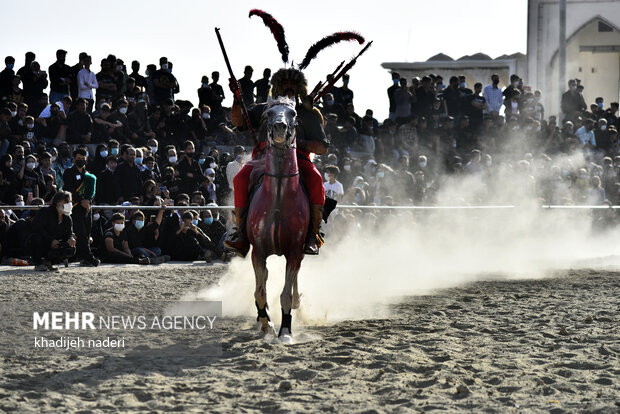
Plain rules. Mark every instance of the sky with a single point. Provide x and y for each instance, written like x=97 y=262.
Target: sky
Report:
x=183 y=31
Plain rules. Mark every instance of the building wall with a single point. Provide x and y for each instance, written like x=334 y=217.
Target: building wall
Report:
x=543 y=42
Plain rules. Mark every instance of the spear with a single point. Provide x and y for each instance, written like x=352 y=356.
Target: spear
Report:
x=244 y=110
x=340 y=74
x=319 y=85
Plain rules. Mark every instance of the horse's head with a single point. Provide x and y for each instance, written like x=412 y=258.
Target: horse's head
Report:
x=280 y=120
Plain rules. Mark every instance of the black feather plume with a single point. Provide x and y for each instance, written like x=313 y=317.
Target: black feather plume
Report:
x=276 y=29
x=326 y=42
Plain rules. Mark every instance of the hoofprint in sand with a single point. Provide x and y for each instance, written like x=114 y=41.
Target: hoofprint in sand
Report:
x=491 y=346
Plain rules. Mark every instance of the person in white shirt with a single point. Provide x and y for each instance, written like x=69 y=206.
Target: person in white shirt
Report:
x=493 y=96
x=333 y=188
x=86 y=82
x=234 y=167
x=64 y=104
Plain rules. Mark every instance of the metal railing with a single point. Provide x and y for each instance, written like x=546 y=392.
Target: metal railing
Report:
x=345 y=207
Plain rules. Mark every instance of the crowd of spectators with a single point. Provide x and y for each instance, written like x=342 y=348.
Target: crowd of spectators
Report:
x=146 y=148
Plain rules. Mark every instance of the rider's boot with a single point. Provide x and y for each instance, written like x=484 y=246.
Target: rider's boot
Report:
x=237 y=241
x=316 y=215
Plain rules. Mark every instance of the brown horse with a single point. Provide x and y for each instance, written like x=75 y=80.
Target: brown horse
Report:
x=279 y=213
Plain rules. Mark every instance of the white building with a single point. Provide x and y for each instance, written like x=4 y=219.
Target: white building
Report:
x=476 y=68
x=592 y=49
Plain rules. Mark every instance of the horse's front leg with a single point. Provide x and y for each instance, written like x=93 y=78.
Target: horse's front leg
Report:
x=260 y=293
x=293 y=263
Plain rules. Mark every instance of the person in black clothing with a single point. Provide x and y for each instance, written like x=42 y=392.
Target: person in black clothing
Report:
x=107 y=185
x=128 y=176
x=390 y=92
x=473 y=106
x=29 y=58
x=164 y=82
x=214 y=230
x=60 y=77
x=218 y=92
x=140 y=80
x=6 y=78
x=75 y=182
x=190 y=241
x=116 y=246
x=206 y=96
x=152 y=170
x=262 y=86
x=97 y=163
x=451 y=98
x=107 y=82
x=73 y=87
x=247 y=86
x=18 y=237
x=52 y=238
x=79 y=124
x=346 y=95
x=190 y=172
x=140 y=236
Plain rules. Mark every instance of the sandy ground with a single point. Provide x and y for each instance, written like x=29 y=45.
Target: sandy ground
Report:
x=548 y=345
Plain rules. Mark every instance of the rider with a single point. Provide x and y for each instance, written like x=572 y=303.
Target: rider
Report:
x=311 y=138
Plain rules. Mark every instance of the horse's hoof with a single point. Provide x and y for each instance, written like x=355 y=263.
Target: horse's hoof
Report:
x=285 y=339
x=268 y=328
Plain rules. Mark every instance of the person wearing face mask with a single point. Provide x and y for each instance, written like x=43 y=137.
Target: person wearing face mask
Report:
x=138 y=232
x=214 y=229
x=97 y=162
x=164 y=82
x=119 y=117
x=52 y=239
x=116 y=246
x=208 y=187
x=82 y=186
x=6 y=77
x=602 y=137
x=31 y=181
x=492 y=94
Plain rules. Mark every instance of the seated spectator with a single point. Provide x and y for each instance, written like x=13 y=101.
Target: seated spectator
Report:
x=190 y=242
x=108 y=190
x=79 y=124
x=116 y=244
x=208 y=187
x=17 y=243
x=138 y=236
x=333 y=188
x=104 y=126
x=52 y=239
